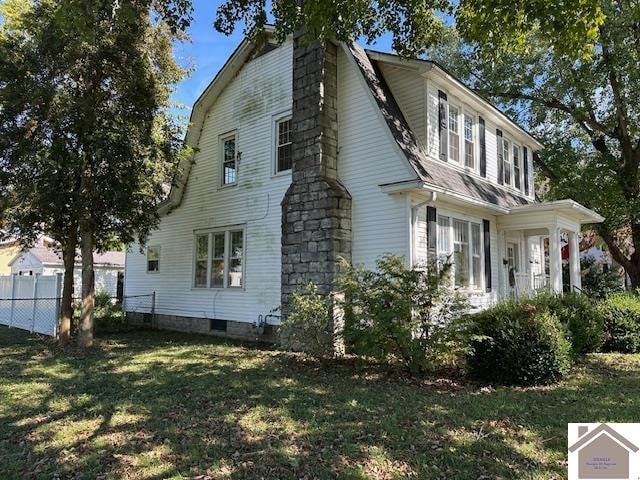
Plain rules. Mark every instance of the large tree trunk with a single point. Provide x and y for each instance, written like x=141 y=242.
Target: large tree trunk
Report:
x=85 y=330
x=66 y=307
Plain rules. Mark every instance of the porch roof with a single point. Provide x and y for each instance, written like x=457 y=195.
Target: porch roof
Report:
x=567 y=207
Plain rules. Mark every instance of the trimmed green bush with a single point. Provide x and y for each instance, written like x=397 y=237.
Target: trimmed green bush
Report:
x=621 y=314
x=579 y=314
x=517 y=343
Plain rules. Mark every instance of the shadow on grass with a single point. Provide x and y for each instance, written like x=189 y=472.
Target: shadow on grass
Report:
x=163 y=405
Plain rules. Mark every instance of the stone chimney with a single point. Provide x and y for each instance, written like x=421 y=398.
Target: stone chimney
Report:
x=316 y=210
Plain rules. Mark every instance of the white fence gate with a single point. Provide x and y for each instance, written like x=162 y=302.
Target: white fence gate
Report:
x=30 y=302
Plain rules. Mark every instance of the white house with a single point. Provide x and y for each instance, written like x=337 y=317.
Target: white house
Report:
x=45 y=259
x=304 y=154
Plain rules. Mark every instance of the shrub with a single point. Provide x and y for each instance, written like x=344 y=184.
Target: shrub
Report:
x=600 y=283
x=108 y=316
x=621 y=314
x=578 y=313
x=516 y=342
x=308 y=326
x=402 y=314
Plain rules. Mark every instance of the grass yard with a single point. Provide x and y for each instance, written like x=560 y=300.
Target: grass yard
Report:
x=161 y=405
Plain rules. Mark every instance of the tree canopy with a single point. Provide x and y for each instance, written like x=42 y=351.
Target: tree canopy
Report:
x=586 y=111
x=501 y=25
x=87 y=139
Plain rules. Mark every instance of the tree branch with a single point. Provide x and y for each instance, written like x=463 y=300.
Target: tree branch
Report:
x=615 y=251
x=589 y=124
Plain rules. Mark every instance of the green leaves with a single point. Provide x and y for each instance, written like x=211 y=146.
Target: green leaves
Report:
x=85 y=122
x=501 y=26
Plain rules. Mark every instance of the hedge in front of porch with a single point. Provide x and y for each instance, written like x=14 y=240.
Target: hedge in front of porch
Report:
x=517 y=342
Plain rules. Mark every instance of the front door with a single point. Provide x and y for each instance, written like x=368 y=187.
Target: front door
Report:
x=512 y=263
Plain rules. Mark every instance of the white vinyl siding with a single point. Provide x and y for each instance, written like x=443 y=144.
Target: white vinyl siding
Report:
x=248 y=105
x=369 y=157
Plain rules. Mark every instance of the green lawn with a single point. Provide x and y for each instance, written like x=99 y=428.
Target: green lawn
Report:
x=162 y=405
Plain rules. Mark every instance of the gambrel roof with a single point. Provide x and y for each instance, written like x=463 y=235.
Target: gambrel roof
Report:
x=431 y=172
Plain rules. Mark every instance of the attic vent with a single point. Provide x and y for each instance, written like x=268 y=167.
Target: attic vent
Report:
x=216 y=325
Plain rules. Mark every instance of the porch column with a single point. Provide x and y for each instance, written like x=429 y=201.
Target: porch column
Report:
x=574 y=260
x=502 y=281
x=555 y=260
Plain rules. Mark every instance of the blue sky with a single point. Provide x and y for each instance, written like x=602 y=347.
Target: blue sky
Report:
x=208 y=50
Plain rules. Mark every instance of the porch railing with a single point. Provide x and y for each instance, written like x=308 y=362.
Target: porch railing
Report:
x=528 y=284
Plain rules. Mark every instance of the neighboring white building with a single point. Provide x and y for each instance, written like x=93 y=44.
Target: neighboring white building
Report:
x=430 y=169
x=44 y=259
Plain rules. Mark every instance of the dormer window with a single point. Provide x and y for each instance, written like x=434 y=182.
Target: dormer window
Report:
x=506 y=161
x=516 y=166
x=468 y=141
x=454 y=134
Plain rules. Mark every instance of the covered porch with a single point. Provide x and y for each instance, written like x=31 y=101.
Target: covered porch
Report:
x=533 y=242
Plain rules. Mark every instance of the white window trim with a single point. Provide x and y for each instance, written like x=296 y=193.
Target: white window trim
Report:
x=451 y=102
x=227 y=256
x=475 y=132
x=275 y=121
x=221 y=139
x=147 y=258
x=463 y=110
x=480 y=287
x=517 y=145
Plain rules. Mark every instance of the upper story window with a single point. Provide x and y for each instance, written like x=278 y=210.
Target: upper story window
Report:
x=454 y=133
x=153 y=259
x=284 y=146
x=229 y=157
x=469 y=140
x=219 y=259
x=506 y=161
x=516 y=166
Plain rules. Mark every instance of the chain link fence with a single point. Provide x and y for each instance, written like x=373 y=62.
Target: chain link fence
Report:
x=33 y=303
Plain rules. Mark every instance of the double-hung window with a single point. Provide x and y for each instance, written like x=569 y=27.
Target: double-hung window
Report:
x=229 y=156
x=153 y=259
x=284 y=150
x=461 y=252
x=506 y=161
x=219 y=259
x=516 y=166
x=454 y=133
x=460 y=242
x=469 y=159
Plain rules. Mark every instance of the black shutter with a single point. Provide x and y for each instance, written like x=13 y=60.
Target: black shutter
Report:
x=431 y=233
x=483 y=148
x=500 y=162
x=442 y=124
x=486 y=237
x=525 y=159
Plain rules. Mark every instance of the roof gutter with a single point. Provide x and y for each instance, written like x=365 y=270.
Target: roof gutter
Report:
x=419 y=185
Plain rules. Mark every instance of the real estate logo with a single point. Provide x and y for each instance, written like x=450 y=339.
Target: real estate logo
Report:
x=604 y=451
